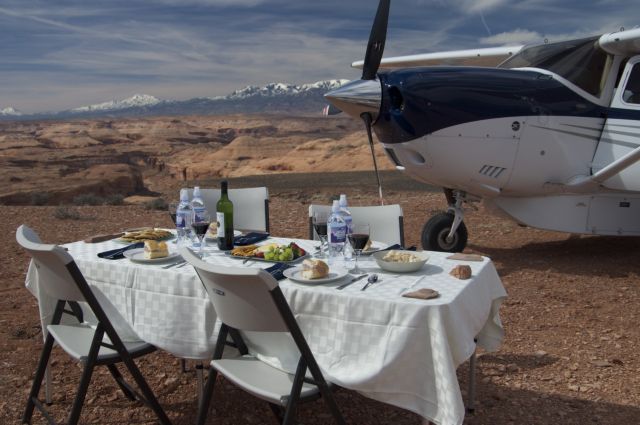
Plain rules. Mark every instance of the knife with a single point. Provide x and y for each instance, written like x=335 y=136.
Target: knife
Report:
x=355 y=279
x=102 y=238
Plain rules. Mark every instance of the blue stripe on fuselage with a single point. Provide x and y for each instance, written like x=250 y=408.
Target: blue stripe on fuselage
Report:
x=420 y=101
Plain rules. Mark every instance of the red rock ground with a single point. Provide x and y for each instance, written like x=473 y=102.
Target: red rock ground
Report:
x=572 y=321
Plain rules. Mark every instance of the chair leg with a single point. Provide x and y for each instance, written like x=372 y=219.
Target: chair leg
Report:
x=205 y=402
x=120 y=381
x=200 y=380
x=294 y=396
x=471 y=396
x=148 y=395
x=74 y=416
x=47 y=385
x=85 y=379
x=277 y=412
x=37 y=380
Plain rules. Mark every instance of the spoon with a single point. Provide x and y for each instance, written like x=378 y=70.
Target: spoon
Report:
x=371 y=279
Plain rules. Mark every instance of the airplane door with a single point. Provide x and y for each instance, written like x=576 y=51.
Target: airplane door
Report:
x=621 y=132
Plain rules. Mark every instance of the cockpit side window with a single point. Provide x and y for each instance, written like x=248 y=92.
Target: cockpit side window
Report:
x=580 y=61
x=631 y=92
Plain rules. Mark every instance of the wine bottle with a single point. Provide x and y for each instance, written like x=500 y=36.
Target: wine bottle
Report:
x=224 y=217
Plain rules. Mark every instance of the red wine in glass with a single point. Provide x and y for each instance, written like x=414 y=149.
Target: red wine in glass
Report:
x=320 y=228
x=201 y=227
x=358 y=240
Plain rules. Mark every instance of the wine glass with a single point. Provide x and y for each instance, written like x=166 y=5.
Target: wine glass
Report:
x=172 y=208
x=358 y=239
x=200 y=226
x=320 y=226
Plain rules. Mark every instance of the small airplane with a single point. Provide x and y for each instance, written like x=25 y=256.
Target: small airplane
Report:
x=550 y=137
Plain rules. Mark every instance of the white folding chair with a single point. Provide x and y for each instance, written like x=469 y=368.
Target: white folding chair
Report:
x=385 y=221
x=250 y=300
x=250 y=206
x=93 y=345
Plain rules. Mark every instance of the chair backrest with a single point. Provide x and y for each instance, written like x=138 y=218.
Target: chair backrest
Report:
x=60 y=278
x=386 y=221
x=250 y=206
x=51 y=262
x=241 y=296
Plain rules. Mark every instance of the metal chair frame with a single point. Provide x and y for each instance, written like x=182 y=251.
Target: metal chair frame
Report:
x=93 y=358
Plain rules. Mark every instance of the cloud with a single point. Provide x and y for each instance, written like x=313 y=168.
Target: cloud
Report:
x=518 y=36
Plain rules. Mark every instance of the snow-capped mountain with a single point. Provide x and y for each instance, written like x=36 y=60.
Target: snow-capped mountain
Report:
x=281 y=89
x=270 y=98
x=137 y=100
x=10 y=112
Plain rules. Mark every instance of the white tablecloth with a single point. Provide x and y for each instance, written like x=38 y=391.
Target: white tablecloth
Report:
x=390 y=348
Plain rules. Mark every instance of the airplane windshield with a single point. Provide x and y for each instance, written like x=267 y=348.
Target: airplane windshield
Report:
x=580 y=61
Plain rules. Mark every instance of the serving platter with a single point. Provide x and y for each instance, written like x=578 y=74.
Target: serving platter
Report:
x=295 y=274
x=241 y=257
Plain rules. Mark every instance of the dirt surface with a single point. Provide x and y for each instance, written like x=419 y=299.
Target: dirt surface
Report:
x=572 y=321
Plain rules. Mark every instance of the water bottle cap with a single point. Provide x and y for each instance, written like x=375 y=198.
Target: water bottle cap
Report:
x=184 y=195
x=343 y=200
x=336 y=206
x=196 y=191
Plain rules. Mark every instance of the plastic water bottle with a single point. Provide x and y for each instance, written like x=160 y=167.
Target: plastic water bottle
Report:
x=337 y=230
x=184 y=217
x=348 y=221
x=197 y=205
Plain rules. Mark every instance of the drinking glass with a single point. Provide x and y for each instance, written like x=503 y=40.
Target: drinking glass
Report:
x=200 y=226
x=172 y=208
x=320 y=226
x=358 y=239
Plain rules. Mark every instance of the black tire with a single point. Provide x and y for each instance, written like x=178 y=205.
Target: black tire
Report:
x=435 y=231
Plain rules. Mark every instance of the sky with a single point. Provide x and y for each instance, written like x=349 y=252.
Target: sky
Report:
x=60 y=54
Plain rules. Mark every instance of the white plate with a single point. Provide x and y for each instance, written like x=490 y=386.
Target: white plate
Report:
x=137 y=256
x=210 y=237
x=375 y=246
x=295 y=274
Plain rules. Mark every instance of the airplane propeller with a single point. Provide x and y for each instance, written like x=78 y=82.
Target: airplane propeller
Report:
x=363 y=98
x=372 y=59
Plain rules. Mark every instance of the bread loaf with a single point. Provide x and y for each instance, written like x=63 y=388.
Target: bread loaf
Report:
x=154 y=249
x=461 y=272
x=314 y=269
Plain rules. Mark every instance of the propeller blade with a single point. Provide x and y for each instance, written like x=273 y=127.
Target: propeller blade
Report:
x=377 y=38
x=329 y=110
x=366 y=117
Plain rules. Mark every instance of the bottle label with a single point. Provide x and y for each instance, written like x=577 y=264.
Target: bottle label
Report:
x=220 y=220
x=180 y=220
x=338 y=234
x=198 y=213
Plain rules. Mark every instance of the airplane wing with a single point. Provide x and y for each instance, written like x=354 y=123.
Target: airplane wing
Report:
x=490 y=56
x=624 y=43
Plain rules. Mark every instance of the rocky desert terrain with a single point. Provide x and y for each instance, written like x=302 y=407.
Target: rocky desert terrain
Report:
x=132 y=156
x=572 y=317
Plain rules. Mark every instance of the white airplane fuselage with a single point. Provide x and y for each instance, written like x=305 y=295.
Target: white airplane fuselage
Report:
x=527 y=165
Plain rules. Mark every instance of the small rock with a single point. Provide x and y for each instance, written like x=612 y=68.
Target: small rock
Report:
x=601 y=363
x=540 y=353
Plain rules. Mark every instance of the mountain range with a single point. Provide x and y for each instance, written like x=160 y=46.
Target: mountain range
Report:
x=271 y=98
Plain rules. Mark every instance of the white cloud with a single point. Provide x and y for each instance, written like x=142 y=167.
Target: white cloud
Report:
x=518 y=36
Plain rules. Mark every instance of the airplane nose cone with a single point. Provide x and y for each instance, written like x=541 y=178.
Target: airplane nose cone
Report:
x=357 y=97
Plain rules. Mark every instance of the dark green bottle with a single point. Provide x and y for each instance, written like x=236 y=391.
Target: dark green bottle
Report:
x=224 y=217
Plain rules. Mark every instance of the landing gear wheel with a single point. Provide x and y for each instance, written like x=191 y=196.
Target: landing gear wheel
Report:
x=435 y=231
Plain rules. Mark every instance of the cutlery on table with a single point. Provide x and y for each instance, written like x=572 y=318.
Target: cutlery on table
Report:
x=103 y=238
x=415 y=282
x=371 y=279
x=168 y=266
x=353 y=280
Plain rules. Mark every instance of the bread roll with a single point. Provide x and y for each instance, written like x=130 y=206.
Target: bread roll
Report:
x=154 y=249
x=314 y=269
